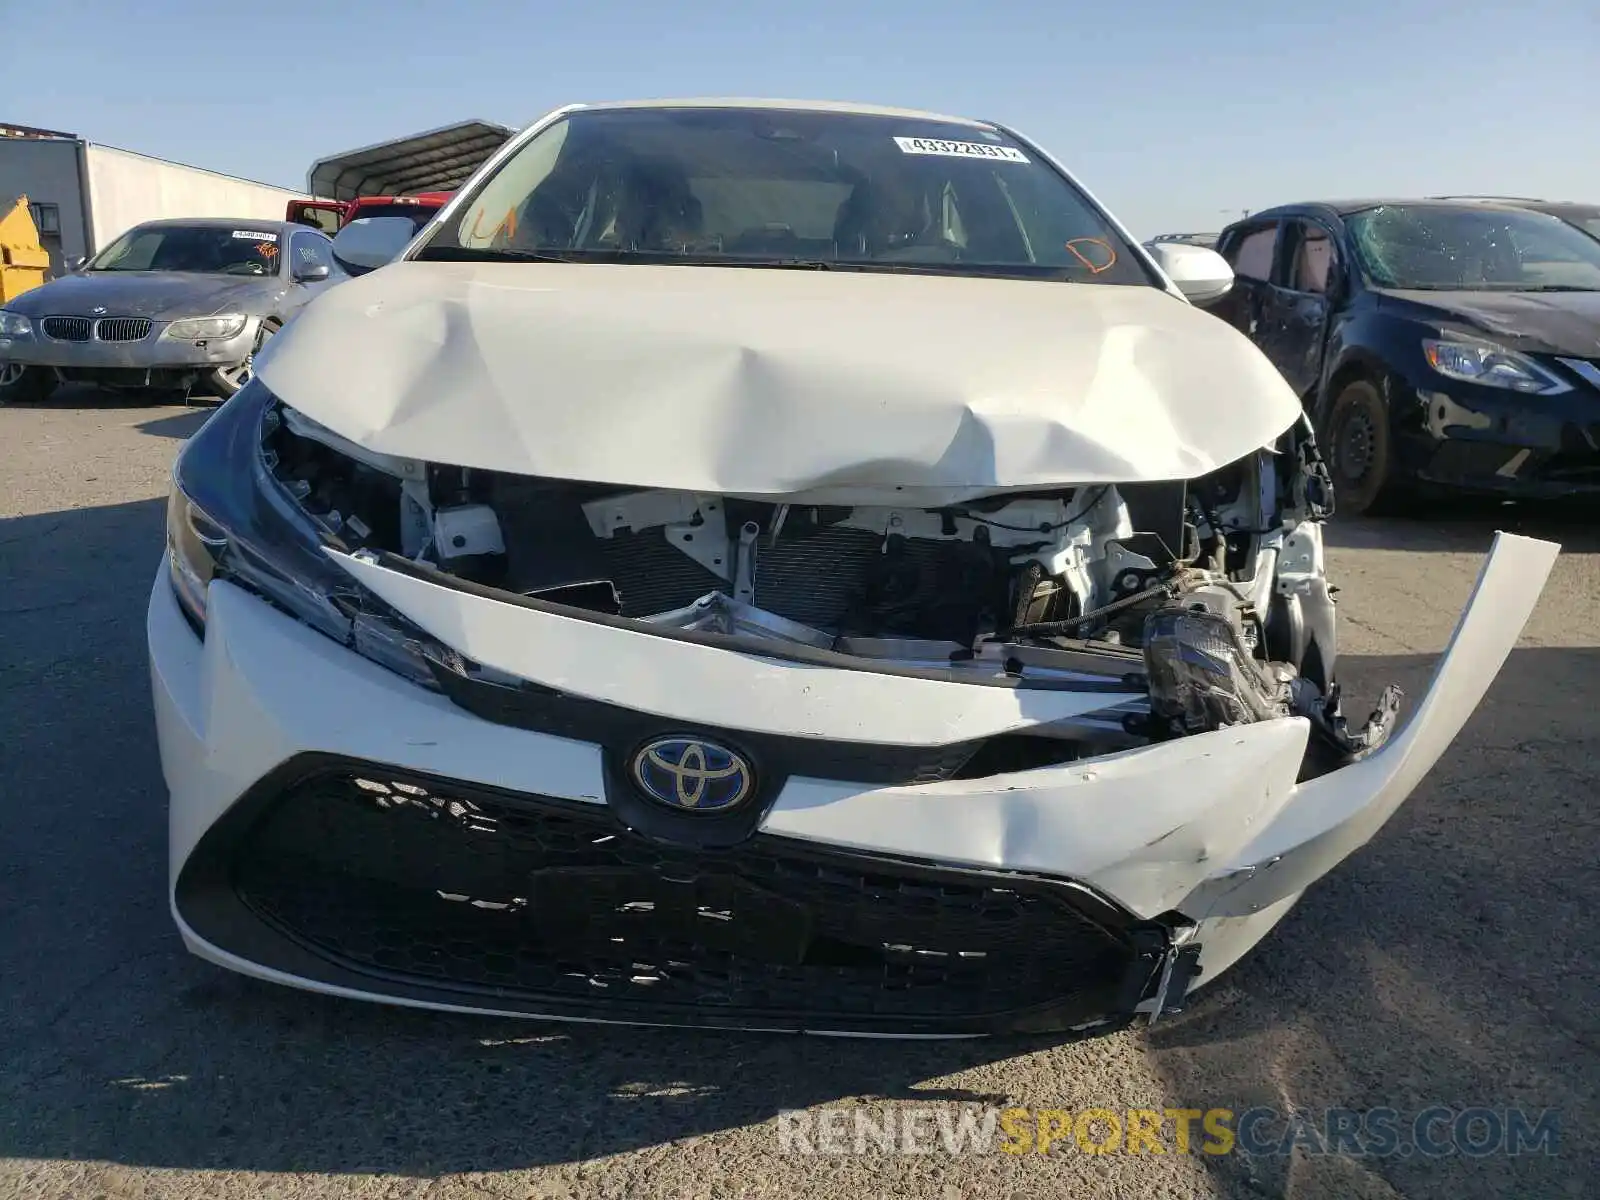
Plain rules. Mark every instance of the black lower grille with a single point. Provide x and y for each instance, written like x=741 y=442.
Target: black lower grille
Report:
x=418 y=880
x=67 y=329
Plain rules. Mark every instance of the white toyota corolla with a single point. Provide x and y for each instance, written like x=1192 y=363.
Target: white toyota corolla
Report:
x=775 y=565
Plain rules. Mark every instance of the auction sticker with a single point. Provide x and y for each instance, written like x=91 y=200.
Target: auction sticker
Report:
x=253 y=236
x=919 y=145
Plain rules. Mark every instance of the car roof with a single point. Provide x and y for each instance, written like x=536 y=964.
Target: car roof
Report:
x=1344 y=208
x=219 y=223
x=1554 y=207
x=833 y=106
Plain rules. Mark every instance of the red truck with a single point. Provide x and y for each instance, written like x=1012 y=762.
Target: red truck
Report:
x=332 y=215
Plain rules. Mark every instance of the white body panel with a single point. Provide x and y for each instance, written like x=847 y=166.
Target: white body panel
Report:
x=831 y=387
x=704 y=685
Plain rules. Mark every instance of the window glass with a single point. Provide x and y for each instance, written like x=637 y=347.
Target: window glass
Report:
x=203 y=249
x=1313 y=259
x=1251 y=255
x=324 y=219
x=1473 y=248
x=755 y=187
x=46 y=219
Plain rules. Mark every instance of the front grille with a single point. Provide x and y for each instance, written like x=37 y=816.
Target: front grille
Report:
x=453 y=886
x=67 y=329
x=123 y=329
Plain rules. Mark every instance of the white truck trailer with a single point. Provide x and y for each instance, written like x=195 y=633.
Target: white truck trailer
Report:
x=83 y=195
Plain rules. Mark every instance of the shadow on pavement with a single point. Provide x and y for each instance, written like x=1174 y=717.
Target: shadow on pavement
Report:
x=181 y=426
x=1468 y=525
x=1450 y=961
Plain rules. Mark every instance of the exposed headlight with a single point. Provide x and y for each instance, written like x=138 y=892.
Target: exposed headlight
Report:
x=208 y=329
x=229 y=518
x=14 y=325
x=1492 y=366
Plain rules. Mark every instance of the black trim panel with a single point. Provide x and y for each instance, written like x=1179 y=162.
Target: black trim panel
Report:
x=776 y=756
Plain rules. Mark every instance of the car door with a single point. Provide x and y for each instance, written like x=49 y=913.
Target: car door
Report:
x=1292 y=322
x=1251 y=249
x=309 y=254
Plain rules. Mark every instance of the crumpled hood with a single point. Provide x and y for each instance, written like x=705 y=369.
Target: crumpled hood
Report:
x=840 y=386
x=160 y=295
x=1551 y=322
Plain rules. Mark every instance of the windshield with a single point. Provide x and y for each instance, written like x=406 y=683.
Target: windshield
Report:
x=750 y=187
x=204 y=249
x=1474 y=249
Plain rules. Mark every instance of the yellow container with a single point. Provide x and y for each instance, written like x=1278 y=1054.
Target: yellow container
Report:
x=23 y=261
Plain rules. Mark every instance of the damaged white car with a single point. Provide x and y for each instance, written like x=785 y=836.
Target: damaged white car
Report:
x=792 y=567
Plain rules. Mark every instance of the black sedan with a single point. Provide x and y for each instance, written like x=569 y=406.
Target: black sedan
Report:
x=1435 y=343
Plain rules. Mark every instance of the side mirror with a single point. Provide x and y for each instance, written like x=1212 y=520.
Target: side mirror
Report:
x=1202 y=275
x=76 y=264
x=311 y=272
x=370 y=242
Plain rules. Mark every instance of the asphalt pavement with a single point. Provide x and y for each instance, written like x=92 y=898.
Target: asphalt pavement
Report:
x=1453 y=961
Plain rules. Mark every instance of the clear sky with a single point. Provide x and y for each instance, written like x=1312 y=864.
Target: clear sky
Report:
x=1177 y=115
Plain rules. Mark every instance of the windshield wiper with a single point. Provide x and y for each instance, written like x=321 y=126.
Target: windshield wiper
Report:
x=439 y=253
x=1558 y=287
x=484 y=254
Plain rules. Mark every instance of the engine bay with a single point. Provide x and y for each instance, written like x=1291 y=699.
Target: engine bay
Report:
x=1205 y=599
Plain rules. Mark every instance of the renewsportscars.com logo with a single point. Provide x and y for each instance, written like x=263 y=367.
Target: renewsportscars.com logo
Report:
x=971 y=1129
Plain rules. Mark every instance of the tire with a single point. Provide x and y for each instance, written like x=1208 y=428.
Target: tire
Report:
x=1359 y=447
x=25 y=385
x=226 y=381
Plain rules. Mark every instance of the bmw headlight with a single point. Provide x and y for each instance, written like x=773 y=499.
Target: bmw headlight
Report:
x=207 y=329
x=1491 y=366
x=14 y=324
x=229 y=518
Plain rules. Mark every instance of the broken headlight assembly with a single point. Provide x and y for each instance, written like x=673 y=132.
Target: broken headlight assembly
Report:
x=229 y=519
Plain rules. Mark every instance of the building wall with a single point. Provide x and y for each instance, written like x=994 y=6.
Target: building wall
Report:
x=126 y=188
x=46 y=171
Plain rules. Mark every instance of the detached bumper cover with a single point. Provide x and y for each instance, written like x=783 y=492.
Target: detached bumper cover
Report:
x=337 y=828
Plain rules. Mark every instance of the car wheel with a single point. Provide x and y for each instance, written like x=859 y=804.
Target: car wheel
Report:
x=25 y=385
x=225 y=381
x=1359 y=448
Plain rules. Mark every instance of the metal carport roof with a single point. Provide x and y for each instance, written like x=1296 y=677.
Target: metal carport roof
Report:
x=440 y=160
